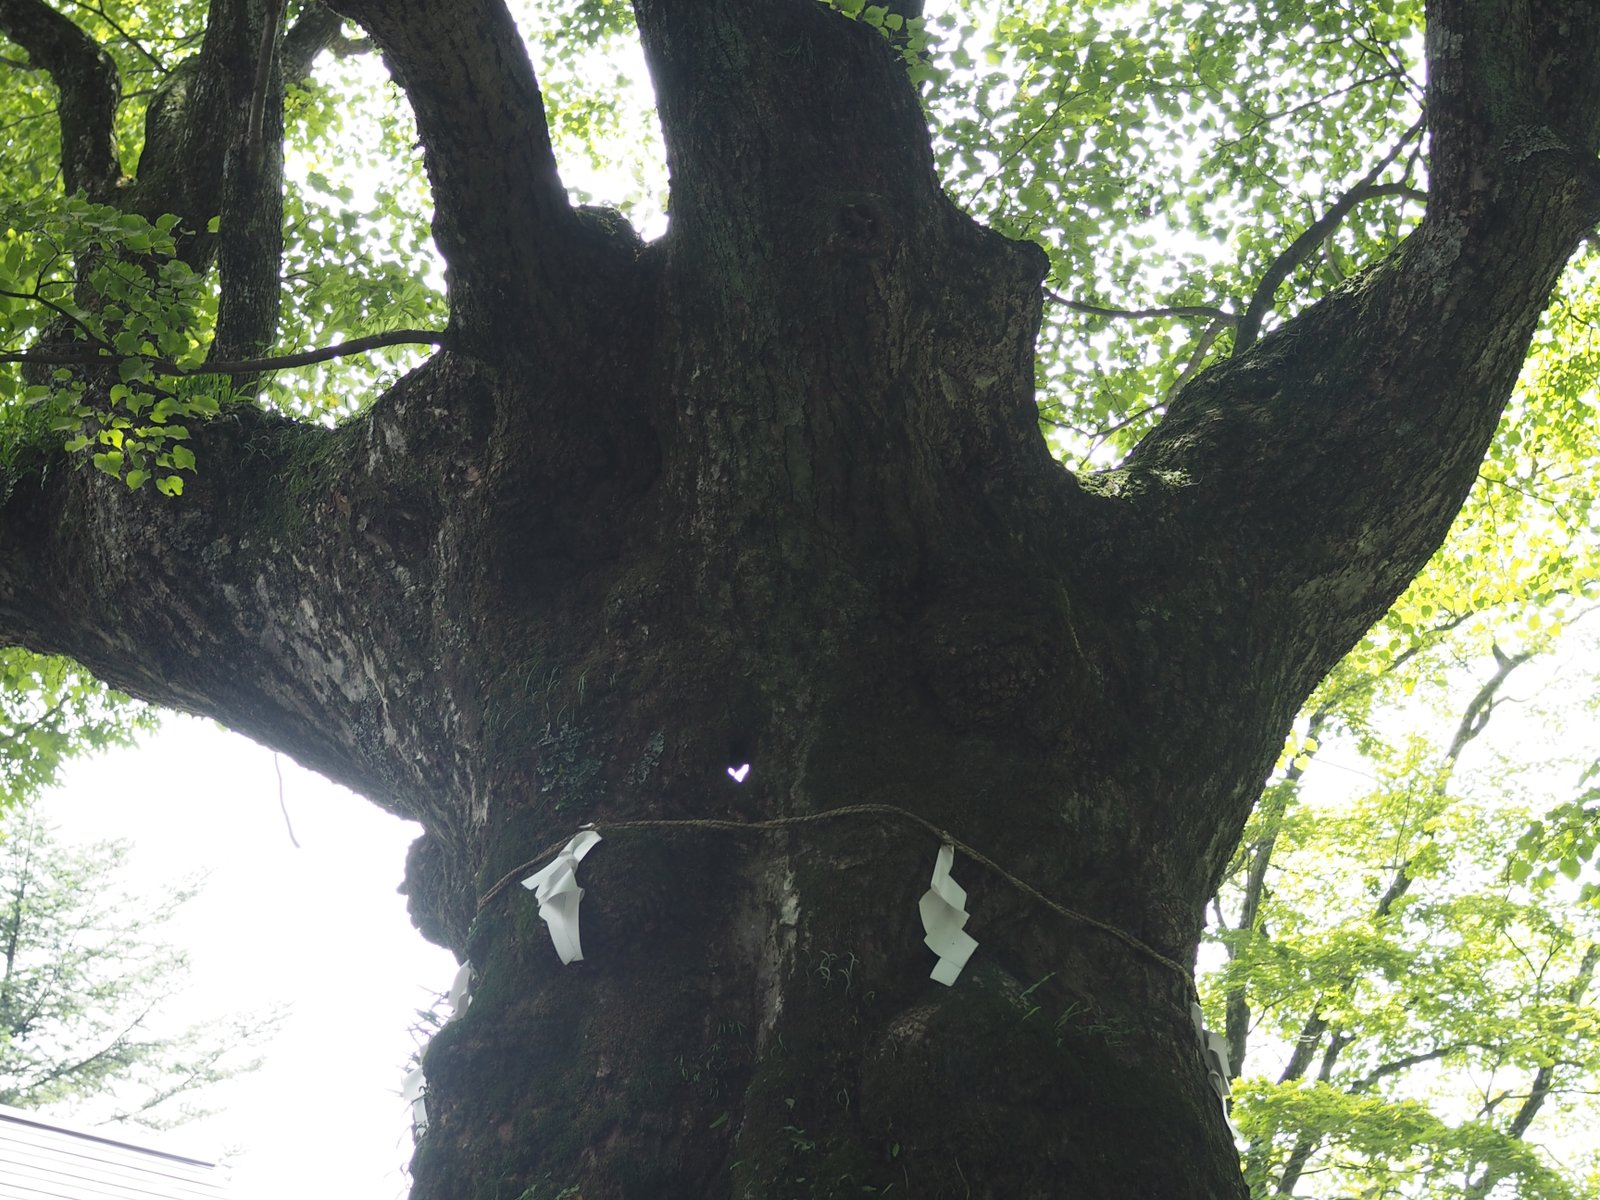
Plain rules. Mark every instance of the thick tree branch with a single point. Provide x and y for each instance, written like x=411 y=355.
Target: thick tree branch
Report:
x=316 y=30
x=261 y=81
x=519 y=257
x=790 y=135
x=274 y=622
x=89 y=86
x=1508 y=81
x=1311 y=476
x=244 y=35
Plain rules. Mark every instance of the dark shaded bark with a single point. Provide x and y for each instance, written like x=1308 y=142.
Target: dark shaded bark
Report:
x=772 y=489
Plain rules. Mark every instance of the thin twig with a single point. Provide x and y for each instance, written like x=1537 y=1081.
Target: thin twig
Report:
x=99 y=11
x=282 y=804
x=1206 y=311
x=1367 y=188
x=244 y=366
x=38 y=297
x=1201 y=347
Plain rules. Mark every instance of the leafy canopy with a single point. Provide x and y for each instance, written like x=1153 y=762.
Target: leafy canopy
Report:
x=1196 y=172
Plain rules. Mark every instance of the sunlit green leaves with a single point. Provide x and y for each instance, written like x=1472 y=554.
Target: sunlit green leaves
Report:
x=49 y=710
x=358 y=258
x=1166 y=154
x=600 y=106
x=1432 y=990
x=106 y=290
x=1561 y=844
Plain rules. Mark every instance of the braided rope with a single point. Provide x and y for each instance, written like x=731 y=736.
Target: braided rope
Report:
x=849 y=810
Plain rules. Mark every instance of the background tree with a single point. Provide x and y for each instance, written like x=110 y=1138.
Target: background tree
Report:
x=1461 y=1050
x=83 y=978
x=772 y=487
x=83 y=974
x=1410 y=1019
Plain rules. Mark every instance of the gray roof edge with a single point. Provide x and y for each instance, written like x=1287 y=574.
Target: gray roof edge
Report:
x=36 y=1120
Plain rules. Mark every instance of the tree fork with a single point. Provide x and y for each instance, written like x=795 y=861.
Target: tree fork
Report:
x=772 y=487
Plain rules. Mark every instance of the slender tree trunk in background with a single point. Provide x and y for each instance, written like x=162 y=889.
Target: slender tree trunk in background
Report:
x=772 y=490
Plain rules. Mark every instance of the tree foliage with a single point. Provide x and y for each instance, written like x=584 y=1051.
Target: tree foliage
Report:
x=84 y=978
x=1273 y=270
x=1410 y=1016
x=51 y=710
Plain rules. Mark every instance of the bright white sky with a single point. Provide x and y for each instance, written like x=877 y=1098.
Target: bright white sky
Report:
x=319 y=930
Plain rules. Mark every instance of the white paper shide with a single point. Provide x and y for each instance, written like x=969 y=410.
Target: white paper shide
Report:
x=944 y=918
x=414 y=1091
x=460 y=992
x=556 y=889
x=1214 y=1047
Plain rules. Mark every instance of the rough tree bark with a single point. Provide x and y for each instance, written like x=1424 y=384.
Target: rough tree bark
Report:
x=772 y=488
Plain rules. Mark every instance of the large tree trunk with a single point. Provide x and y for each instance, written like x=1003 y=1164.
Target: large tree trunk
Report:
x=771 y=490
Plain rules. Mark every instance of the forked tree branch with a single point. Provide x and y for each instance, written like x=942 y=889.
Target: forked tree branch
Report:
x=1307 y=244
x=512 y=241
x=1322 y=483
